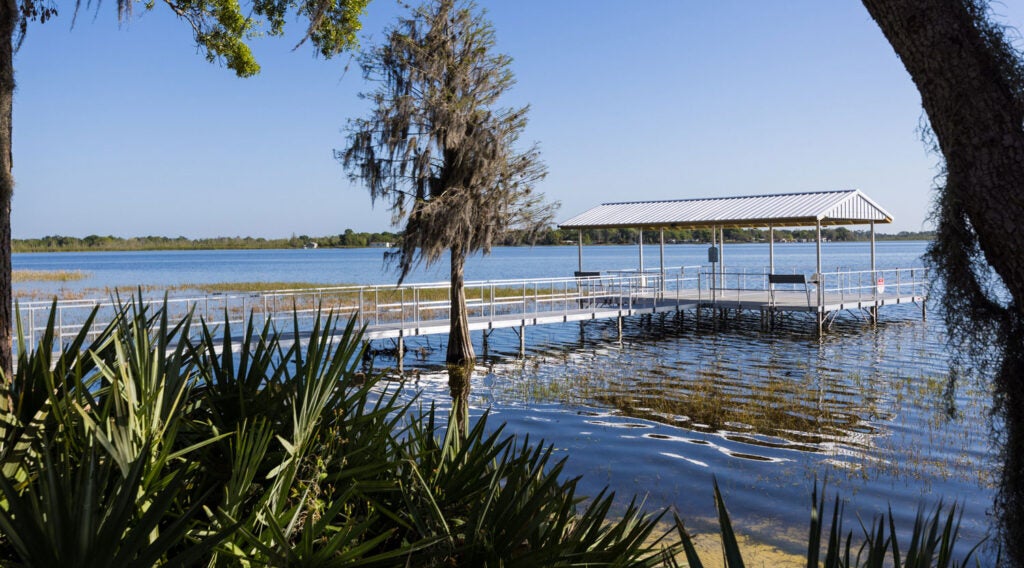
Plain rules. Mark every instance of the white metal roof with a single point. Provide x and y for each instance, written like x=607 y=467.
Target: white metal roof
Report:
x=844 y=207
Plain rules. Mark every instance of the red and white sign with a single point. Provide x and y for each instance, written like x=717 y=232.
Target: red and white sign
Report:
x=881 y=285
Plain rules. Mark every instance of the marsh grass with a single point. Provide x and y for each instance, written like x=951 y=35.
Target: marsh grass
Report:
x=243 y=287
x=48 y=275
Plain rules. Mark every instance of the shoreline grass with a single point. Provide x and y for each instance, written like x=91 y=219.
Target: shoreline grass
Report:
x=225 y=287
x=48 y=275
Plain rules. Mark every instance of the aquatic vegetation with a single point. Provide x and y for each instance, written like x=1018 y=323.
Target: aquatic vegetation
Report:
x=48 y=275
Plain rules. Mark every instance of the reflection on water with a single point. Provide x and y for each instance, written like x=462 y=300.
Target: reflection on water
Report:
x=459 y=384
x=874 y=411
x=853 y=398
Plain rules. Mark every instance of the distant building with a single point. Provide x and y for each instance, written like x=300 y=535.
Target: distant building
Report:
x=382 y=244
x=310 y=245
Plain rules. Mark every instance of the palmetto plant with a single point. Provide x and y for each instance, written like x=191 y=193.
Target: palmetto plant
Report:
x=932 y=539
x=147 y=443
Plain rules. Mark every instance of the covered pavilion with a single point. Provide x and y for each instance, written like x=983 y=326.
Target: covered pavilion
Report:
x=787 y=210
x=811 y=209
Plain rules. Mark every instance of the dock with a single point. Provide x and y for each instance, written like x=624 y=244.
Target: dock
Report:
x=411 y=310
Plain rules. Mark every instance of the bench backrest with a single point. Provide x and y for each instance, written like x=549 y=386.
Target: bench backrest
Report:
x=582 y=274
x=787 y=279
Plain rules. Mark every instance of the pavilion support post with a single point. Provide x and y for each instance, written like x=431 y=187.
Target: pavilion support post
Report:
x=817 y=274
x=579 y=249
x=771 y=253
x=640 y=244
x=721 y=255
x=714 y=265
x=817 y=239
x=661 y=237
x=874 y=276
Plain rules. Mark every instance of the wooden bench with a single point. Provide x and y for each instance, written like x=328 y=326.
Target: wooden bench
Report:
x=788 y=279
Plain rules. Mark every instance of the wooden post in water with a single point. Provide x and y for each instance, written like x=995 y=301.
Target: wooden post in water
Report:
x=400 y=356
x=522 y=339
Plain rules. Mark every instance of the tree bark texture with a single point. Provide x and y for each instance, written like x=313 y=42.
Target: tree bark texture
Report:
x=8 y=21
x=976 y=118
x=970 y=90
x=460 y=346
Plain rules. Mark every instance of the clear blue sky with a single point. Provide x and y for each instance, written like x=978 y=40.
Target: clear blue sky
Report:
x=127 y=130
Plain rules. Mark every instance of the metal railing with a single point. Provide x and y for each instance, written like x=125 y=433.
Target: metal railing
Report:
x=840 y=286
x=872 y=285
x=414 y=306
x=406 y=307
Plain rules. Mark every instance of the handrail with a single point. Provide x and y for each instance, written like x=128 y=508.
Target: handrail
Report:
x=412 y=306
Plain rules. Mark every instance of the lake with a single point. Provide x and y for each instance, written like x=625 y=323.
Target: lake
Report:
x=874 y=411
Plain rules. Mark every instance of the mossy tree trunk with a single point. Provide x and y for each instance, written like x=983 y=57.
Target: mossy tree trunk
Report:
x=971 y=81
x=460 y=345
x=460 y=356
x=8 y=22
x=976 y=115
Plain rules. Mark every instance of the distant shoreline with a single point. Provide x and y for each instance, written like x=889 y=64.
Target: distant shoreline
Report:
x=349 y=239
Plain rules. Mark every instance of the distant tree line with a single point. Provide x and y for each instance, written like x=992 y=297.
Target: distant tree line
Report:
x=352 y=239
x=629 y=236
x=54 y=243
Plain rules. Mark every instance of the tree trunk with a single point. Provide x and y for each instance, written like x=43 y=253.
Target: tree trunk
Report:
x=976 y=118
x=8 y=21
x=968 y=86
x=460 y=345
x=460 y=357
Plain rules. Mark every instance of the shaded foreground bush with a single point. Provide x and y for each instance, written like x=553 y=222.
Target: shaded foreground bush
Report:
x=143 y=446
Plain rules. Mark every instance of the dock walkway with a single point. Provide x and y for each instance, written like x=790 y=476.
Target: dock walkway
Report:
x=423 y=309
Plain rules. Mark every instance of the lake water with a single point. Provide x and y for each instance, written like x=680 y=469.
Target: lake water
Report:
x=873 y=410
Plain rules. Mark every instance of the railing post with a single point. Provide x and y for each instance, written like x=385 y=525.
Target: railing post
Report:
x=31 y=329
